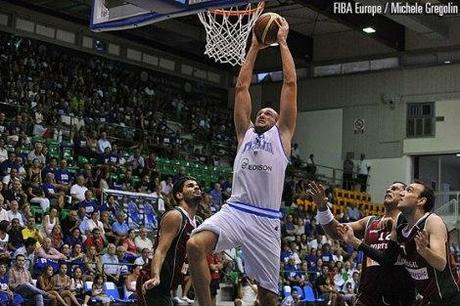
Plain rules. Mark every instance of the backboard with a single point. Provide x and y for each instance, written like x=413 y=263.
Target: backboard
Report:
x=111 y=15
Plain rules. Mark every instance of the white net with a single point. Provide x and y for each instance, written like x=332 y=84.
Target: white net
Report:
x=227 y=32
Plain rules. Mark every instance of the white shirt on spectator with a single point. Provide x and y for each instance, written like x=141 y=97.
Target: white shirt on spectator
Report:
x=102 y=144
x=32 y=155
x=3 y=214
x=78 y=191
x=165 y=187
x=3 y=155
x=11 y=215
x=143 y=243
x=139 y=261
x=107 y=260
x=362 y=167
x=88 y=225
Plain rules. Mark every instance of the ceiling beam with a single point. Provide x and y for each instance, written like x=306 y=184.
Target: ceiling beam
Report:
x=388 y=31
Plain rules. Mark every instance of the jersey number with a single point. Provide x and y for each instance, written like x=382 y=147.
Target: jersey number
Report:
x=387 y=237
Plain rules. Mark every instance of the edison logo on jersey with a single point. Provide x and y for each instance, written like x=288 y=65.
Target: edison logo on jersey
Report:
x=418 y=274
x=245 y=165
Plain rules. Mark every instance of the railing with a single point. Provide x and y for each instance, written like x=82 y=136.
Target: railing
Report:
x=446 y=206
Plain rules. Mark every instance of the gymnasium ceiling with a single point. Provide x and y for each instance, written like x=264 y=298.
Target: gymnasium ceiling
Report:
x=317 y=34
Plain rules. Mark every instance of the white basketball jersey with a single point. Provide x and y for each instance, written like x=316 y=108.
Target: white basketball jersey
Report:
x=259 y=170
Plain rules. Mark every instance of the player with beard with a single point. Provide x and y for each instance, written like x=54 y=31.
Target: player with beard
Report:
x=422 y=244
x=165 y=271
x=251 y=217
x=379 y=284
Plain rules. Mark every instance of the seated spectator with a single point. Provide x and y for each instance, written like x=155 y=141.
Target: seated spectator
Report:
x=70 y=222
x=48 y=252
x=87 y=226
x=77 y=191
x=50 y=189
x=110 y=262
x=289 y=229
x=129 y=244
x=37 y=153
x=74 y=238
x=292 y=300
x=247 y=293
x=96 y=239
x=111 y=206
x=61 y=283
x=8 y=180
x=15 y=240
x=326 y=288
x=31 y=231
x=120 y=227
x=353 y=213
x=35 y=172
x=77 y=256
x=4 y=239
x=124 y=257
x=77 y=282
x=93 y=262
x=146 y=254
x=50 y=168
x=142 y=241
x=28 y=251
x=3 y=211
x=136 y=161
x=16 y=194
x=3 y=151
x=7 y=165
x=50 y=220
x=291 y=272
x=57 y=239
x=7 y=297
x=63 y=176
x=103 y=143
x=98 y=292
x=129 y=285
x=167 y=185
x=107 y=225
x=20 y=281
x=88 y=204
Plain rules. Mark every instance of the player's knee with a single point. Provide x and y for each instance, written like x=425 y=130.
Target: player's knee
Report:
x=194 y=248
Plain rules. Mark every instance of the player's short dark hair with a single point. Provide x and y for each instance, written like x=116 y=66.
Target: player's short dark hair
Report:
x=399 y=182
x=428 y=194
x=178 y=186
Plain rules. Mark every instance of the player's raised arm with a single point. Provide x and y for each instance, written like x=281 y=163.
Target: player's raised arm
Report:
x=288 y=99
x=243 y=107
x=325 y=217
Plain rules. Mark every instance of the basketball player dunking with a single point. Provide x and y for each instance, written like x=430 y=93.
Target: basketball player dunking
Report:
x=251 y=217
x=379 y=284
x=165 y=272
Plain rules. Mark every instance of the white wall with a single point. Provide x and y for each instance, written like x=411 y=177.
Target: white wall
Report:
x=385 y=171
x=320 y=133
x=447 y=132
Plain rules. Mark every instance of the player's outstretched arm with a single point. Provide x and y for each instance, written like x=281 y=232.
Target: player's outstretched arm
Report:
x=288 y=99
x=431 y=242
x=243 y=107
x=385 y=258
x=325 y=217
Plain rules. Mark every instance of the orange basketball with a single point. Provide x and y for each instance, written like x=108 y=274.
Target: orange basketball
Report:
x=266 y=29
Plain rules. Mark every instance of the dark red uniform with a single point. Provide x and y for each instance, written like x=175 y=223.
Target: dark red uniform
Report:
x=436 y=287
x=381 y=285
x=171 y=274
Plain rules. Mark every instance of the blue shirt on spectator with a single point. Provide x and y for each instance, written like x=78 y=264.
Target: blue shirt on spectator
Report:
x=6 y=167
x=120 y=228
x=48 y=189
x=63 y=176
x=216 y=198
x=112 y=210
x=89 y=206
x=327 y=257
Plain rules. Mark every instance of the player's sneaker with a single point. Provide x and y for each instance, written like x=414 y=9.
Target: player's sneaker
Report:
x=186 y=299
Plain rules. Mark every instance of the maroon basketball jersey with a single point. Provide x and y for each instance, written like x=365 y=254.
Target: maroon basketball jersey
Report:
x=174 y=266
x=378 y=280
x=432 y=284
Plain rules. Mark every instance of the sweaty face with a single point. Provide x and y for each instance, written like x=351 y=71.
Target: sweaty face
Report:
x=265 y=119
x=393 y=193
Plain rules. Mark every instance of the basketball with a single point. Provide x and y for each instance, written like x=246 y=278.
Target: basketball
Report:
x=266 y=29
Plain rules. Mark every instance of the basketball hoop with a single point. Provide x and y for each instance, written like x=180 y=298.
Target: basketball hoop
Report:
x=227 y=32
